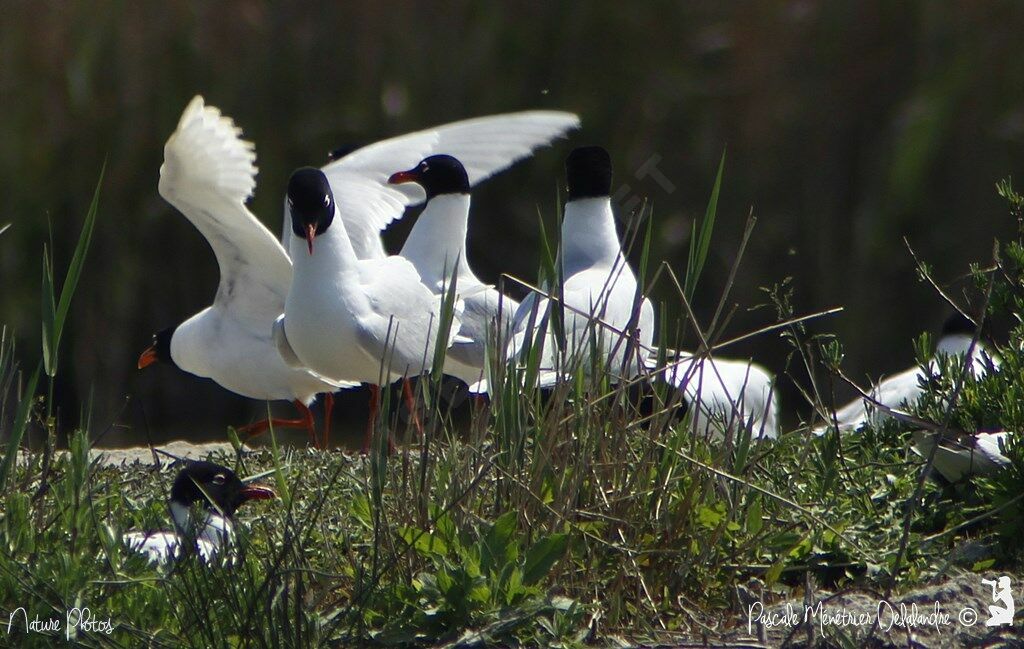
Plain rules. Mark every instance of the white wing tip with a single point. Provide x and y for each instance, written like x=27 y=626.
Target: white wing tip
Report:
x=206 y=148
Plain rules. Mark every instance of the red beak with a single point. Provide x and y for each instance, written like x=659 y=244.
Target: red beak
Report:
x=256 y=492
x=310 y=234
x=148 y=357
x=403 y=177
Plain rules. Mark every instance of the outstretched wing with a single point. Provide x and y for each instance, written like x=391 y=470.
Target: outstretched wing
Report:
x=207 y=174
x=485 y=146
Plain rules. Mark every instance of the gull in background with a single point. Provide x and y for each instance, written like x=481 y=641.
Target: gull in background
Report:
x=436 y=247
x=904 y=389
x=367 y=203
x=599 y=291
x=220 y=492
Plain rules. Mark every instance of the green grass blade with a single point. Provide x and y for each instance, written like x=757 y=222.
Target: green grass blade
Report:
x=67 y=291
x=701 y=242
x=20 y=424
x=49 y=315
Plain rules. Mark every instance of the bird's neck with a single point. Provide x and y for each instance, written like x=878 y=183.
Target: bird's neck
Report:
x=954 y=344
x=332 y=252
x=215 y=528
x=589 y=237
x=182 y=516
x=438 y=239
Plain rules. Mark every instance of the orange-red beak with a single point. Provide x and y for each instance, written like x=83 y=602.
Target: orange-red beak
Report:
x=403 y=177
x=257 y=492
x=310 y=234
x=148 y=357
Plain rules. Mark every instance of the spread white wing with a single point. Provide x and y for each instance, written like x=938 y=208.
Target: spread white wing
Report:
x=207 y=174
x=485 y=146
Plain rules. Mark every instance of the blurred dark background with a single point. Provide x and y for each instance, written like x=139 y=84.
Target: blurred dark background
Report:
x=849 y=125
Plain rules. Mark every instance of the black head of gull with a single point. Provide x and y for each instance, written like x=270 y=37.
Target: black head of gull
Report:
x=588 y=171
x=160 y=350
x=958 y=324
x=215 y=487
x=437 y=174
x=219 y=491
x=311 y=202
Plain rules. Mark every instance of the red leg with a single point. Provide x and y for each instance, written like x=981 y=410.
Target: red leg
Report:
x=374 y=406
x=260 y=427
x=328 y=409
x=410 y=403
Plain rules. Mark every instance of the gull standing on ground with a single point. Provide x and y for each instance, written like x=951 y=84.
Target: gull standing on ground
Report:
x=220 y=492
x=599 y=290
x=208 y=173
x=436 y=247
x=367 y=203
x=904 y=389
x=365 y=320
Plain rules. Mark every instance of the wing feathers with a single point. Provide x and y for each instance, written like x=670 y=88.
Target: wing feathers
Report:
x=484 y=145
x=207 y=174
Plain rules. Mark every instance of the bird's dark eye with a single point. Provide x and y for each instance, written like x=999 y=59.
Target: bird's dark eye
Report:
x=327 y=201
x=424 y=167
x=219 y=479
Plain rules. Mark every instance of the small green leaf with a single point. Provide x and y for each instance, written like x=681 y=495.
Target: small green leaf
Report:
x=49 y=315
x=359 y=508
x=542 y=555
x=774 y=572
x=754 y=514
x=984 y=564
x=497 y=549
x=425 y=544
x=711 y=517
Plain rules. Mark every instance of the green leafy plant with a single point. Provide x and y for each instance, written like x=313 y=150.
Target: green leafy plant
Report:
x=471 y=582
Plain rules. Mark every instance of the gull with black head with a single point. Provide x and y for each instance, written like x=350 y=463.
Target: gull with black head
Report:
x=903 y=390
x=603 y=306
x=208 y=174
x=219 y=492
x=365 y=320
x=436 y=247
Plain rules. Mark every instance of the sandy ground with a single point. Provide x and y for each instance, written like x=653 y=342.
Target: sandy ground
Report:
x=144 y=455
x=177 y=448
